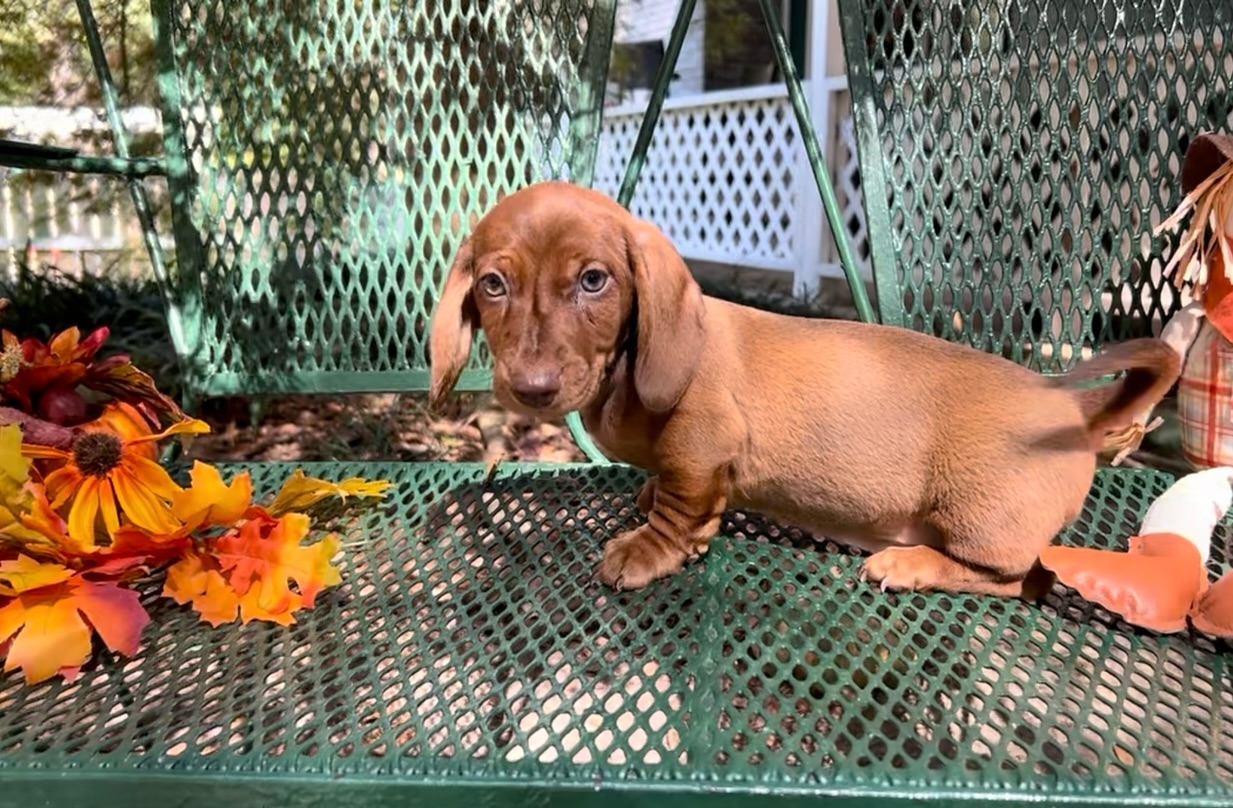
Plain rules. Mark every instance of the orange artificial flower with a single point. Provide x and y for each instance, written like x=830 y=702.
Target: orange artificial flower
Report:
x=111 y=469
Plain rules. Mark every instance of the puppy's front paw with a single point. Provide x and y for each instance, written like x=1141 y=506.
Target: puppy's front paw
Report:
x=898 y=569
x=634 y=559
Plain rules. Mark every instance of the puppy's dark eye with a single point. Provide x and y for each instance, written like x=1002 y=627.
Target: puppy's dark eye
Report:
x=492 y=284
x=592 y=280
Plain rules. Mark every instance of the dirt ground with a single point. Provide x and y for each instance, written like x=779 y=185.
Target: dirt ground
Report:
x=377 y=427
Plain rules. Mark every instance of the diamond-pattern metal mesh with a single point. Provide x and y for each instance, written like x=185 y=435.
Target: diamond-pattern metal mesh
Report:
x=1017 y=155
x=469 y=644
x=328 y=157
x=336 y=152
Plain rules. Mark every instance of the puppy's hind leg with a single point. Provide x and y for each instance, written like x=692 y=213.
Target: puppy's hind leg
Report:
x=924 y=569
x=971 y=552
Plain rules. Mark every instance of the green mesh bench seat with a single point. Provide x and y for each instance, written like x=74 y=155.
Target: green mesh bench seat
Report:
x=325 y=160
x=469 y=655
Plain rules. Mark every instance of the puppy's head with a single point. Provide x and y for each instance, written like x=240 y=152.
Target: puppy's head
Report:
x=566 y=283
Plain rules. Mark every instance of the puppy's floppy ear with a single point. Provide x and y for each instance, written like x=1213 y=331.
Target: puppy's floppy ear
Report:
x=453 y=322
x=670 y=326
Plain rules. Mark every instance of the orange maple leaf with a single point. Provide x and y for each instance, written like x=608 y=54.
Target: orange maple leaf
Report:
x=196 y=579
x=208 y=501
x=250 y=568
x=48 y=629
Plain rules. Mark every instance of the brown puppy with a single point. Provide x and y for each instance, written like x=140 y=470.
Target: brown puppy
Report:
x=953 y=466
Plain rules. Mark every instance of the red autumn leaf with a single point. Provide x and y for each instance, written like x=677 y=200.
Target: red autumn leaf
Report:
x=131 y=543
x=267 y=552
x=48 y=630
x=62 y=362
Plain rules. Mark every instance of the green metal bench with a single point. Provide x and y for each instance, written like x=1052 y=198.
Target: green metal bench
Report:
x=324 y=161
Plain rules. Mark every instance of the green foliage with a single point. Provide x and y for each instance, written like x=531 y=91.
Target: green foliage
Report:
x=728 y=23
x=45 y=300
x=44 y=59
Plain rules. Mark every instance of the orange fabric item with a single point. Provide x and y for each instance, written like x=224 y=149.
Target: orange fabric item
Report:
x=1152 y=585
x=1213 y=614
x=1217 y=300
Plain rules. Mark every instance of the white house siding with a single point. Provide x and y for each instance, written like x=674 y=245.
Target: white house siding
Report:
x=643 y=20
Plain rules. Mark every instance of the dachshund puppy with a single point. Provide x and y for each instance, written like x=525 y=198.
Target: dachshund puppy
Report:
x=953 y=467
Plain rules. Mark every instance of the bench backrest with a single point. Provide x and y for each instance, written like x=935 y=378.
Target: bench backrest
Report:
x=1016 y=155
x=326 y=158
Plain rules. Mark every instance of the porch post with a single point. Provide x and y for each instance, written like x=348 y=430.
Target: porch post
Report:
x=810 y=217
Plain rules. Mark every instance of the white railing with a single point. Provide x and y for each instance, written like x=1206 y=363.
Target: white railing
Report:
x=727 y=180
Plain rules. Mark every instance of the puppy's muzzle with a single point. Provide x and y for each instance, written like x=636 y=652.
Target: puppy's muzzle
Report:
x=536 y=389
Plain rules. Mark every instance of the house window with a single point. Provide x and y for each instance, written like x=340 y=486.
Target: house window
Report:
x=738 y=52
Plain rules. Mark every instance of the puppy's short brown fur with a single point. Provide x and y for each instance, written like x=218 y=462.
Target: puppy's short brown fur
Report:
x=952 y=466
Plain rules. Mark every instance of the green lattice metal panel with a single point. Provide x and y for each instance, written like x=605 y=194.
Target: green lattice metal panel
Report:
x=326 y=159
x=469 y=655
x=1015 y=157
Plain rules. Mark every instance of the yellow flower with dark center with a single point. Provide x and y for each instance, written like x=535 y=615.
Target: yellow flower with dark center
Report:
x=12 y=358
x=109 y=475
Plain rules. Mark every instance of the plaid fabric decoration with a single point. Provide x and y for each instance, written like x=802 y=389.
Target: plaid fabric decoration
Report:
x=1205 y=400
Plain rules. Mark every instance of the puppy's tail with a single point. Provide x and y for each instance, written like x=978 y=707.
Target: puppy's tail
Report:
x=1149 y=367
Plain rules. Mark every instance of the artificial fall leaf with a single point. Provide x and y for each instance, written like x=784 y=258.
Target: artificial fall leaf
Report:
x=208 y=501
x=47 y=627
x=25 y=522
x=196 y=579
x=44 y=520
x=300 y=492
x=249 y=569
x=264 y=554
x=24 y=573
x=132 y=548
x=15 y=495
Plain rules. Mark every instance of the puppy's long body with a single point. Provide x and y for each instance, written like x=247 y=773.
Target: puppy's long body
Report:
x=952 y=466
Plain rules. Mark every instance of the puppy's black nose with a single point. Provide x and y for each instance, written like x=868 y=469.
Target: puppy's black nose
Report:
x=536 y=390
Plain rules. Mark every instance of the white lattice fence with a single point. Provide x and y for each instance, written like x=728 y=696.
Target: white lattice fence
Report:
x=723 y=180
